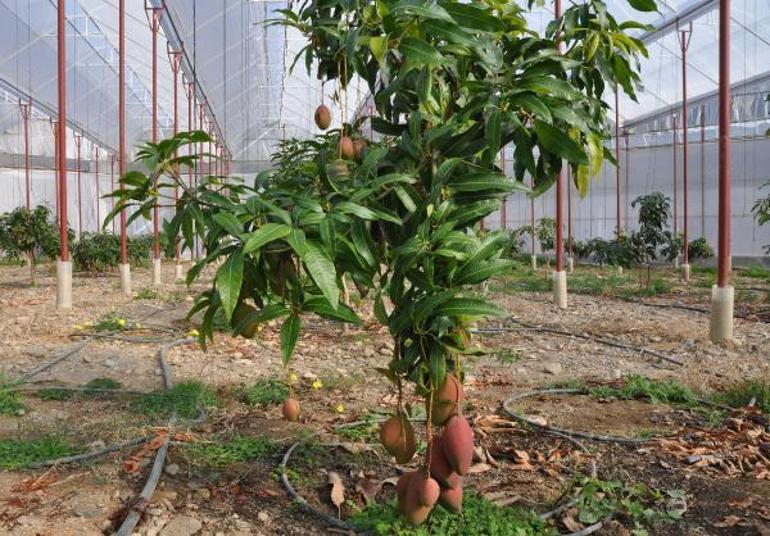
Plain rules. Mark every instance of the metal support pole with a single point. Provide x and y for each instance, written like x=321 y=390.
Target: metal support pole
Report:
x=55 y=129
x=78 y=143
x=112 y=186
x=175 y=58
x=723 y=294
x=153 y=17
x=559 y=276
x=676 y=180
x=25 y=112
x=703 y=171
x=684 y=42
x=617 y=161
x=188 y=89
x=63 y=267
x=504 y=206
x=628 y=174
x=569 y=211
x=125 y=268
x=98 y=192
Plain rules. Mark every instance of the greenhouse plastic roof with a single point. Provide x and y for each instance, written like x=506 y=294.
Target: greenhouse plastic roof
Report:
x=241 y=68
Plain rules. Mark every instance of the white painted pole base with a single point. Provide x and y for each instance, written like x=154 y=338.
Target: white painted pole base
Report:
x=560 y=289
x=571 y=265
x=620 y=270
x=125 y=279
x=156 y=272
x=722 y=303
x=676 y=262
x=533 y=262
x=686 y=272
x=63 y=284
x=179 y=271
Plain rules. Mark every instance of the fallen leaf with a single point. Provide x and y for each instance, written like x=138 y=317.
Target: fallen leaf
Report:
x=729 y=521
x=337 y=491
x=479 y=468
x=368 y=488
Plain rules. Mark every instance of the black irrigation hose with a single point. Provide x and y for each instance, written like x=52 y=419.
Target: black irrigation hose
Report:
x=601 y=340
x=58 y=359
x=338 y=523
x=89 y=455
x=563 y=431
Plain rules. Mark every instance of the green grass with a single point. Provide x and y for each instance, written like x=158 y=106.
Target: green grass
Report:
x=582 y=283
x=367 y=431
x=110 y=322
x=16 y=454
x=506 y=356
x=147 y=294
x=11 y=401
x=656 y=391
x=237 y=449
x=755 y=271
x=265 y=391
x=479 y=517
x=657 y=286
x=185 y=400
x=710 y=270
x=94 y=388
x=742 y=394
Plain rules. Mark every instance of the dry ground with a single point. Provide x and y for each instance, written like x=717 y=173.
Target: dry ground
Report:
x=245 y=498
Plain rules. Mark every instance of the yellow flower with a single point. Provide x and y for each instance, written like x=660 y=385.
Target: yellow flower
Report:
x=317 y=384
x=293 y=378
x=137 y=325
x=77 y=327
x=193 y=333
x=339 y=408
x=121 y=322
x=88 y=324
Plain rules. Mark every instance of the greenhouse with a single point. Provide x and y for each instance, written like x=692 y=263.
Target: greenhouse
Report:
x=390 y=267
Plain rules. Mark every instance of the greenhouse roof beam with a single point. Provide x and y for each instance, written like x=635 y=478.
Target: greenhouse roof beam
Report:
x=670 y=22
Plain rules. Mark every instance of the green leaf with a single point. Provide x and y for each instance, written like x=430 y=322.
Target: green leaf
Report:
x=643 y=5
x=289 y=336
x=379 y=47
x=229 y=223
x=497 y=182
x=559 y=143
x=379 y=310
x=264 y=235
x=468 y=307
x=321 y=269
x=469 y=16
x=266 y=314
x=423 y=10
x=530 y=103
x=418 y=53
x=437 y=365
x=228 y=282
x=321 y=307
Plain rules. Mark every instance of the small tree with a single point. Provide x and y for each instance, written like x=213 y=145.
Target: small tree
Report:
x=761 y=211
x=653 y=233
x=30 y=232
x=545 y=232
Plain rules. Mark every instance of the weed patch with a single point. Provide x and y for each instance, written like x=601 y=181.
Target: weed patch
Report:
x=745 y=393
x=185 y=400
x=11 y=401
x=237 y=449
x=479 y=517
x=265 y=391
x=658 y=392
x=17 y=454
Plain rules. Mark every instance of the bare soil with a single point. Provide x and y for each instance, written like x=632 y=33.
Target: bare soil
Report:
x=246 y=498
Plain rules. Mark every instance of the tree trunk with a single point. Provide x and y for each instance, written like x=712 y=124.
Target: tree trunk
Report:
x=32 y=268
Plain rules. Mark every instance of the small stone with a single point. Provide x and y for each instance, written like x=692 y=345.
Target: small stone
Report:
x=20 y=412
x=172 y=469
x=264 y=517
x=309 y=376
x=111 y=363
x=182 y=526
x=203 y=494
x=655 y=338
x=385 y=351
x=96 y=445
x=87 y=359
x=552 y=368
x=154 y=512
x=616 y=374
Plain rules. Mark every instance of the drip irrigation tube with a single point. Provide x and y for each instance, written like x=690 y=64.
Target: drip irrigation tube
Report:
x=58 y=359
x=89 y=455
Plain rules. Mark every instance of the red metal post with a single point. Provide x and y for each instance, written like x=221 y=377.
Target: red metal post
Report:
x=628 y=170
x=154 y=20
x=61 y=37
x=676 y=189
x=25 y=111
x=78 y=144
x=122 y=120
x=617 y=160
x=684 y=42
x=98 y=190
x=723 y=274
x=175 y=58
x=55 y=129
x=112 y=186
x=559 y=180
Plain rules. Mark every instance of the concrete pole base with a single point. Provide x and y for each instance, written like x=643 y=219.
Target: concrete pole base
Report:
x=676 y=262
x=722 y=304
x=686 y=272
x=63 y=284
x=620 y=270
x=125 y=279
x=156 y=277
x=560 y=289
x=179 y=271
x=533 y=261
x=571 y=265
